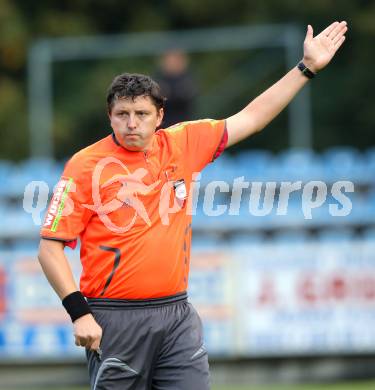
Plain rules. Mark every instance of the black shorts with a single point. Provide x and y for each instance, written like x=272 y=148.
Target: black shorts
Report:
x=148 y=344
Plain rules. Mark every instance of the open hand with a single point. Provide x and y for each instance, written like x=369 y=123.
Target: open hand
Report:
x=319 y=50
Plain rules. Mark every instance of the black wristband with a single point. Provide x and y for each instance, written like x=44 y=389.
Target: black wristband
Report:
x=305 y=70
x=76 y=305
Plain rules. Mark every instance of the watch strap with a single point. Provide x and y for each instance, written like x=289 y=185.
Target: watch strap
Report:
x=305 y=70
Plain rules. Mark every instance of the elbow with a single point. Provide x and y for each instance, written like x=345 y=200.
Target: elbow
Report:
x=41 y=251
x=258 y=124
x=256 y=128
x=254 y=124
x=48 y=248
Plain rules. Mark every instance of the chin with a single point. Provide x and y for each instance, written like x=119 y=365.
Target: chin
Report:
x=133 y=148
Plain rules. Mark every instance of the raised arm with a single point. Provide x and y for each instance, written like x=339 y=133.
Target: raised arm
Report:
x=318 y=52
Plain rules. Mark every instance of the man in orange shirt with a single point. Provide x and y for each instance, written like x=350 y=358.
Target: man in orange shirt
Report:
x=126 y=199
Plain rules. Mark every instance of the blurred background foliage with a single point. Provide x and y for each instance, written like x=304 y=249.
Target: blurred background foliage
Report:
x=342 y=95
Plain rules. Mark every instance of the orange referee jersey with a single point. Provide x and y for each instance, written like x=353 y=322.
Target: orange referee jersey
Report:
x=129 y=210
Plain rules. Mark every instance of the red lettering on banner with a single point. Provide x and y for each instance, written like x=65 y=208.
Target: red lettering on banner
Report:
x=267 y=294
x=334 y=288
x=367 y=288
x=337 y=288
x=307 y=290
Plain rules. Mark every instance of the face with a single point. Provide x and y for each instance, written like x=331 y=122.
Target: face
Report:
x=134 y=122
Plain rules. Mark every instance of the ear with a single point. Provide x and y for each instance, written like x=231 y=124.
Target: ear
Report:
x=160 y=117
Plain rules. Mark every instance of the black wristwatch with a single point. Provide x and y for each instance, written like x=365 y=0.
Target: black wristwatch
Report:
x=305 y=70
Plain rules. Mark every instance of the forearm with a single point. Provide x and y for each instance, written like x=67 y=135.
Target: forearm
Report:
x=56 y=267
x=263 y=109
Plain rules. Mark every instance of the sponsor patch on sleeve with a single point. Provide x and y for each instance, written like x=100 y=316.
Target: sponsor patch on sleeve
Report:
x=57 y=204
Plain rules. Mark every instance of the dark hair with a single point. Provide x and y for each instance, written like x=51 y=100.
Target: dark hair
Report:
x=131 y=85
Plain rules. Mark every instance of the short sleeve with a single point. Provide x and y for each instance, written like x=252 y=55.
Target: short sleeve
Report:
x=201 y=141
x=67 y=216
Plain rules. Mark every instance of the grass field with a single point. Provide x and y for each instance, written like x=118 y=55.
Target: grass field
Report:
x=360 y=385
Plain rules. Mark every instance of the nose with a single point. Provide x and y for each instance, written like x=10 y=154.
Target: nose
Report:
x=131 y=122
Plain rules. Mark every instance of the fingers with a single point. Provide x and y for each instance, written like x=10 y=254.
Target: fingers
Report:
x=338 y=38
x=340 y=42
x=334 y=29
x=309 y=33
x=95 y=346
x=90 y=342
x=330 y=28
x=81 y=341
x=338 y=31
